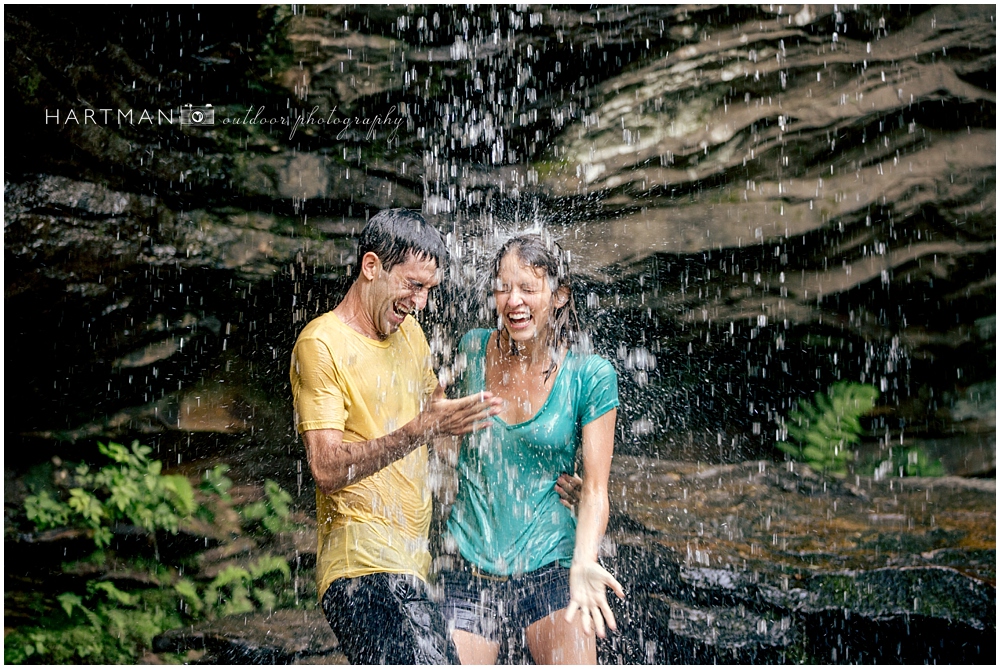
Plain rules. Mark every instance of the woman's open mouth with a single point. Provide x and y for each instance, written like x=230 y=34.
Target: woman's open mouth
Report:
x=518 y=321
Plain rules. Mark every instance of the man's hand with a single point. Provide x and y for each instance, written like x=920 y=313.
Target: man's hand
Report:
x=444 y=417
x=335 y=463
x=568 y=486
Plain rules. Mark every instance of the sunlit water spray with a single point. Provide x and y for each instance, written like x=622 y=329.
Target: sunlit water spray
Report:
x=759 y=201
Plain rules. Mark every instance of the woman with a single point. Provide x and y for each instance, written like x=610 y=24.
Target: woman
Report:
x=526 y=563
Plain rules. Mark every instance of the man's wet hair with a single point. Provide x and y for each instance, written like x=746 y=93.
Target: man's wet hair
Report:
x=393 y=234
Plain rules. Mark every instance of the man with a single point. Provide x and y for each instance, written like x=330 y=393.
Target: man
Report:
x=367 y=403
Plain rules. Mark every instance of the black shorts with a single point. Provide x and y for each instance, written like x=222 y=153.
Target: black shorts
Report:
x=495 y=607
x=387 y=619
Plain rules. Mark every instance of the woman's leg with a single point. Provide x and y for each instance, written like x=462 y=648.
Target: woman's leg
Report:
x=552 y=640
x=469 y=609
x=474 y=649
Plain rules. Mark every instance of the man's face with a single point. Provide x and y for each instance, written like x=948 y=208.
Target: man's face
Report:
x=401 y=291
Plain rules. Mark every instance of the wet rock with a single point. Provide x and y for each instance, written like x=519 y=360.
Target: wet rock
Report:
x=762 y=200
x=280 y=637
x=769 y=563
x=308 y=176
x=324 y=54
x=835 y=194
x=82 y=197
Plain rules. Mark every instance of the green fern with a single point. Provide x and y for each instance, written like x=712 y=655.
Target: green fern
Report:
x=823 y=431
x=901 y=461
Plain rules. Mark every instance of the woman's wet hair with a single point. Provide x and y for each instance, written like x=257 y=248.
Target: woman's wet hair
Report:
x=541 y=252
x=392 y=234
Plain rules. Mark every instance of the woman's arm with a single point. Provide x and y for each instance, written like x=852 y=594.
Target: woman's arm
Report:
x=587 y=579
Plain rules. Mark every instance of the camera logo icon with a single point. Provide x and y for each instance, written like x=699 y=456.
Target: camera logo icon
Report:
x=191 y=115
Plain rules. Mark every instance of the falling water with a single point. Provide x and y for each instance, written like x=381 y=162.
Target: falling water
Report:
x=759 y=202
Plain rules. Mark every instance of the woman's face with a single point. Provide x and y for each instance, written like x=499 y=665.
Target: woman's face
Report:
x=525 y=300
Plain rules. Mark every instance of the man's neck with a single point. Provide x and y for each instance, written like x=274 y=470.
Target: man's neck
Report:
x=351 y=311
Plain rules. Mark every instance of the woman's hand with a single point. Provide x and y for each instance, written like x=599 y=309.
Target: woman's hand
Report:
x=587 y=594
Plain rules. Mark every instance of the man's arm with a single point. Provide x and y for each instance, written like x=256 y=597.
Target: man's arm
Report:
x=336 y=464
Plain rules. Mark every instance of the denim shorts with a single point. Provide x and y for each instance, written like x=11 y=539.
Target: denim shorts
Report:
x=494 y=607
x=387 y=619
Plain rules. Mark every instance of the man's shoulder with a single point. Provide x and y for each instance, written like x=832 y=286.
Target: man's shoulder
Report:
x=410 y=331
x=320 y=327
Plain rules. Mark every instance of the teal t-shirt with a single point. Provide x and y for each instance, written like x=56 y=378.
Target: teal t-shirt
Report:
x=507 y=518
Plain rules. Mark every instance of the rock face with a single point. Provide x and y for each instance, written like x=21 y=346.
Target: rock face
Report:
x=279 y=637
x=763 y=199
x=759 y=201
x=744 y=563
x=752 y=563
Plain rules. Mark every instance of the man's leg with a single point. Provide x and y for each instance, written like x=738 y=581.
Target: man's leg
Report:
x=387 y=619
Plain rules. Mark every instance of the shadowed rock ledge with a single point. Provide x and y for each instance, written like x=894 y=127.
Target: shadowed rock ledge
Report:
x=748 y=563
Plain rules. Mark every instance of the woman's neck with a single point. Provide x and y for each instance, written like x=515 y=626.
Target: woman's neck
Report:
x=529 y=354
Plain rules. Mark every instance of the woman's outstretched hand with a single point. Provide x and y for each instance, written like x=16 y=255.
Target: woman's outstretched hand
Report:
x=588 y=595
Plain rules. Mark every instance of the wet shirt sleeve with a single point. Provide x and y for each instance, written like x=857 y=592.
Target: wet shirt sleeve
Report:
x=599 y=389
x=471 y=348
x=320 y=401
x=430 y=378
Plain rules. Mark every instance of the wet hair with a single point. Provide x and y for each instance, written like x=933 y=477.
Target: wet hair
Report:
x=392 y=234
x=541 y=252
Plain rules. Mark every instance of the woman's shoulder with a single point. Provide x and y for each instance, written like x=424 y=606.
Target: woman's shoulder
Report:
x=474 y=340
x=591 y=365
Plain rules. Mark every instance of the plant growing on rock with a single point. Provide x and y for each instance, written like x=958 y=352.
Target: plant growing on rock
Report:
x=824 y=430
x=131 y=490
x=902 y=462
x=110 y=618
x=271 y=513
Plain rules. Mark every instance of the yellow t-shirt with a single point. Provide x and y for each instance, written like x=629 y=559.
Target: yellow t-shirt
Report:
x=345 y=381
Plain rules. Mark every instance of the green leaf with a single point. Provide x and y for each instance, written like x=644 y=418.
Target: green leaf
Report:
x=113 y=593
x=46 y=512
x=238 y=602
x=254 y=510
x=278 y=497
x=116 y=452
x=86 y=505
x=818 y=441
x=187 y=590
x=69 y=601
x=816 y=456
x=270 y=564
x=822 y=431
x=266 y=598
x=141 y=451
x=791 y=449
x=823 y=403
x=230 y=575
x=182 y=493
x=215 y=481
x=102 y=536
